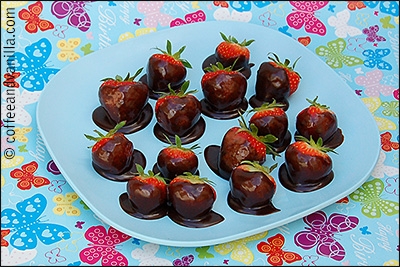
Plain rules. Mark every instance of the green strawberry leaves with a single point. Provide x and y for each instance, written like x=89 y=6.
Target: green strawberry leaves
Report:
x=177 y=55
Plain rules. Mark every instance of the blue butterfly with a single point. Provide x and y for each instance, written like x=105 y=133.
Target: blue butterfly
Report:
x=364 y=230
x=111 y=3
x=33 y=65
x=28 y=226
x=284 y=30
x=374 y=58
x=388 y=7
x=331 y=8
x=242 y=6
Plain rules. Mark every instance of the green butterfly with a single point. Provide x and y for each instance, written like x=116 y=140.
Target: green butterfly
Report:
x=84 y=205
x=391 y=108
x=369 y=196
x=203 y=253
x=386 y=23
x=22 y=148
x=86 y=49
x=334 y=56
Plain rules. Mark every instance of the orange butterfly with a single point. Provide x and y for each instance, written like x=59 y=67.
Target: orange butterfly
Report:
x=274 y=251
x=26 y=176
x=353 y=5
x=33 y=22
x=4 y=243
x=221 y=3
x=387 y=145
x=10 y=79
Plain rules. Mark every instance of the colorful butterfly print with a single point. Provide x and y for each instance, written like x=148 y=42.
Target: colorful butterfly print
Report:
x=87 y=49
x=284 y=30
x=396 y=94
x=26 y=177
x=331 y=8
x=103 y=247
x=373 y=103
x=353 y=5
x=240 y=252
x=17 y=257
x=322 y=233
x=243 y=6
x=362 y=19
x=55 y=186
x=185 y=261
x=386 y=23
x=195 y=4
x=146 y=256
x=20 y=134
x=10 y=163
x=266 y=20
x=371 y=34
x=33 y=65
x=10 y=79
x=67 y=49
x=304 y=40
x=5 y=145
x=387 y=7
x=304 y=15
x=4 y=233
x=355 y=44
x=374 y=59
x=364 y=230
x=386 y=144
x=197 y=16
x=225 y=15
x=340 y=23
x=27 y=227
x=392 y=186
x=137 y=21
x=12 y=198
x=111 y=3
x=221 y=3
x=84 y=205
x=22 y=148
x=203 y=252
x=64 y=204
x=334 y=54
x=52 y=168
x=369 y=194
x=309 y=260
x=76 y=12
x=343 y=200
x=3 y=181
x=54 y=256
x=4 y=6
x=371 y=81
x=275 y=254
x=21 y=100
x=152 y=14
x=79 y=224
x=33 y=22
x=381 y=169
x=59 y=31
x=391 y=108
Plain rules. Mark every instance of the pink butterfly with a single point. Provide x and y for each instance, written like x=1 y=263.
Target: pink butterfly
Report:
x=185 y=261
x=75 y=10
x=59 y=31
x=153 y=16
x=55 y=186
x=371 y=82
x=5 y=144
x=103 y=247
x=266 y=19
x=305 y=15
x=322 y=231
x=189 y=18
x=371 y=34
x=54 y=256
x=355 y=44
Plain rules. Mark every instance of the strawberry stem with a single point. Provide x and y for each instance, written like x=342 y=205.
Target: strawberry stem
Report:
x=318 y=145
x=196 y=179
x=150 y=174
x=232 y=39
x=108 y=135
x=258 y=167
x=118 y=78
x=177 y=55
x=266 y=106
x=314 y=103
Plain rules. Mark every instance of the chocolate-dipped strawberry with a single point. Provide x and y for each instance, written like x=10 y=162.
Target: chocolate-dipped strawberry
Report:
x=175 y=160
x=146 y=196
x=112 y=152
x=252 y=188
x=166 y=69
x=307 y=165
x=243 y=143
x=270 y=118
x=275 y=80
x=319 y=121
x=224 y=92
x=177 y=114
x=192 y=199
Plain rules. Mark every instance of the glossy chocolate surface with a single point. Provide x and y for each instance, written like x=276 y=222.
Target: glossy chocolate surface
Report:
x=171 y=167
x=127 y=205
x=332 y=142
x=212 y=60
x=208 y=110
x=317 y=125
x=272 y=124
x=102 y=119
x=157 y=170
x=154 y=94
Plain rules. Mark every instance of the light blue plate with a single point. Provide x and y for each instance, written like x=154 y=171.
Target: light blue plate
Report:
x=64 y=114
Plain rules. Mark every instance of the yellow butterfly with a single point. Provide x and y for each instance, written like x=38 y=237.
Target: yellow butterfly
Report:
x=238 y=248
x=67 y=49
x=3 y=181
x=10 y=163
x=373 y=103
x=281 y=12
x=20 y=134
x=64 y=205
x=195 y=4
x=10 y=5
x=138 y=32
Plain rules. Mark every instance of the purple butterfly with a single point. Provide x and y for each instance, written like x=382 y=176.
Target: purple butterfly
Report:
x=371 y=34
x=185 y=261
x=322 y=231
x=75 y=10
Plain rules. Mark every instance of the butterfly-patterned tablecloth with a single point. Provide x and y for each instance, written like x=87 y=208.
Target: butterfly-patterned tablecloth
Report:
x=43 y=222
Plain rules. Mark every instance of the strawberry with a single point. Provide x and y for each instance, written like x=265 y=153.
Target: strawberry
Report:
x=307 y=165
x=317 y=121
x=177 y=113
x=230 y=50
x=252 y=188
x=123 y=99
x=166 y=68
x=294 y=77
x=270 y=118
x=112 y=152
x=223 y=89
x=243 y=143
x=175 y=159
x=147 y=194
x=191 y=197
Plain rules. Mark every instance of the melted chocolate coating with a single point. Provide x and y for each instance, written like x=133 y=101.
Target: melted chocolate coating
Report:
x=157 y=170
x=128 y=207
x=212 y=60
x=317 y=125
x=208 y=110
x=154 y=94
x=211 y=155
x=332 y=142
